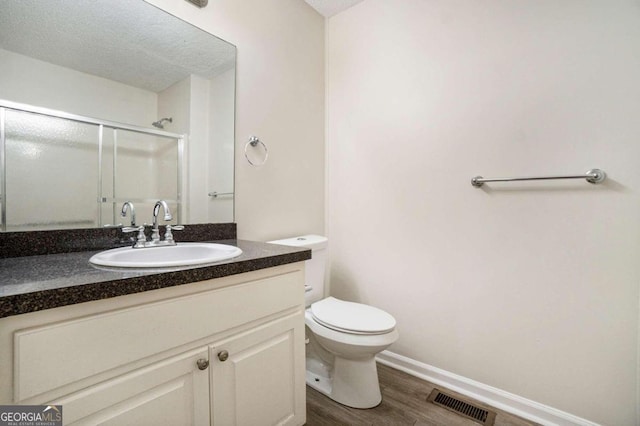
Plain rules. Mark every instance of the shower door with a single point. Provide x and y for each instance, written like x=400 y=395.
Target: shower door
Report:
x=59 y=170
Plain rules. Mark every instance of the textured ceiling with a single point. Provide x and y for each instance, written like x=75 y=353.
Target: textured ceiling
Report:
x=328 y=8
x=129 y=41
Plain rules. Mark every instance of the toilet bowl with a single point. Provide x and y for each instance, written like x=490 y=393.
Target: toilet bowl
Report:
x=343 y=337
x=349 y=374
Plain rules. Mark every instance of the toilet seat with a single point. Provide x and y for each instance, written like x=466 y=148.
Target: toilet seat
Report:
x=352 y=318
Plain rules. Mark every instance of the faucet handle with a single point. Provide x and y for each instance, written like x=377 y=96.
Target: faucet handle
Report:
x=168 y=235
x=141 y=238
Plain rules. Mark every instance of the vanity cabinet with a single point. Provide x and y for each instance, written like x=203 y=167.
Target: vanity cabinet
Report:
x=227 y=351
x=169 y=392
x=252 y=375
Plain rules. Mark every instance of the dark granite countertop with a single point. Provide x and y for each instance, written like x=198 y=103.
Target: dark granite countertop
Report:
x=34 y=283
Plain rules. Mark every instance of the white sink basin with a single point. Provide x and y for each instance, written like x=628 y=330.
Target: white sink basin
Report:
x=182 y=254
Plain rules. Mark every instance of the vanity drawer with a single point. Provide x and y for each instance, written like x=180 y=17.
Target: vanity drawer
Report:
x=51 y=356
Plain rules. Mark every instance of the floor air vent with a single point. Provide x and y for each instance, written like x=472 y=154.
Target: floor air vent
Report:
x=470 y=411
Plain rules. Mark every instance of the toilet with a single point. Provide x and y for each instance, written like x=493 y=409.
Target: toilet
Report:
x=342 y=337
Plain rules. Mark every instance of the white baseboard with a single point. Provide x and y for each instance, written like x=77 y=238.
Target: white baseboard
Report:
x=489 y=395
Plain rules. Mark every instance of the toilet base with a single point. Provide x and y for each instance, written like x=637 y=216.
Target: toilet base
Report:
x=353 y=383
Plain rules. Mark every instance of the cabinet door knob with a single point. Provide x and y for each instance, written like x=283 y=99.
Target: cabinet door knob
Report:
x=202 y=363
x=223 y=355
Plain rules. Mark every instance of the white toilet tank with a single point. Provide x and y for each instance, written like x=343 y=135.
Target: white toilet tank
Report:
x=314 y=268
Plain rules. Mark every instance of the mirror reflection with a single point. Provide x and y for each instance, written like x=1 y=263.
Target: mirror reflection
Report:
x=109 y=101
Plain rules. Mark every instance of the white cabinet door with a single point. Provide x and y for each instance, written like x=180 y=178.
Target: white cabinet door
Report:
x=169 y=392
x=257 y=377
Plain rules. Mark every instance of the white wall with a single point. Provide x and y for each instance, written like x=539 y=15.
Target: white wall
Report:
x=532 y=287
x=279 y=98
x=221 y=154
x=176 y=102
x=27 y=80
x=204 y=110
x=199 y=145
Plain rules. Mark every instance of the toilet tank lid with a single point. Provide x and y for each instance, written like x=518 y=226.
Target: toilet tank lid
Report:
x=310 y=241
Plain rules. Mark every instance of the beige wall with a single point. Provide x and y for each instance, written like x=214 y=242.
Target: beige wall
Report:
x=279 y=98
x=534 y=287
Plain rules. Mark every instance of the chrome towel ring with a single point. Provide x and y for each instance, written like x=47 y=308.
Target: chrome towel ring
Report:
x=253 y=142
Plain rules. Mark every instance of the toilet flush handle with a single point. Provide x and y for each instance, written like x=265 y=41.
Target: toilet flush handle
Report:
x=307 y=288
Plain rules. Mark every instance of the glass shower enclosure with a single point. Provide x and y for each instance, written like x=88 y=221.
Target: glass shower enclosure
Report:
x=61 y=171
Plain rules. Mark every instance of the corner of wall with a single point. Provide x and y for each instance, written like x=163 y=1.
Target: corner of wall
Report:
x=327 y=201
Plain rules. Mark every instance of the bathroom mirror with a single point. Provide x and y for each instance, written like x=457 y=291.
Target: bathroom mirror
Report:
x=107 y=101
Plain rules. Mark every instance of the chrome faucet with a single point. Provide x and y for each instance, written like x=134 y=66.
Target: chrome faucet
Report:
x=123 y=213
x=155 y=232
x=141 y=240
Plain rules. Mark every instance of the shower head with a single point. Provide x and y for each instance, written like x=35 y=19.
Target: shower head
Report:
x=159 y=124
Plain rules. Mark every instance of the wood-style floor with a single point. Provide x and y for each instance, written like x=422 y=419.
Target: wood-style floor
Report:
x=404 y=402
